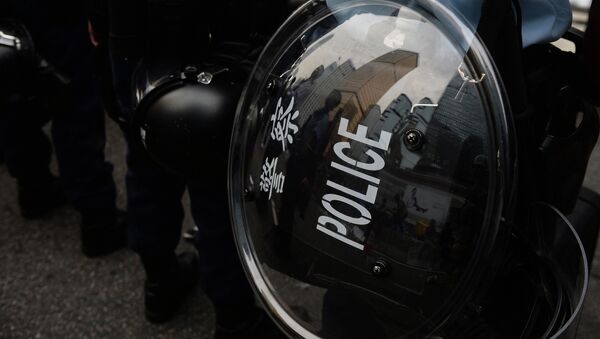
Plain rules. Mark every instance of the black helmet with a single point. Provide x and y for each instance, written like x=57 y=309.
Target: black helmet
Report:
x=184 y=116
x=371 y=170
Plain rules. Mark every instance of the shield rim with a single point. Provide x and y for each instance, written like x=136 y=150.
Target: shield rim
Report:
x=500 y=129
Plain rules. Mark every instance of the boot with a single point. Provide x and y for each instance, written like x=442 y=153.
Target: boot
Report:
x=102 y=232
x=169 y=279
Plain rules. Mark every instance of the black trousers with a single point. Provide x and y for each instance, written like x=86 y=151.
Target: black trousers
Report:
x=155 y=215
x=75 y=108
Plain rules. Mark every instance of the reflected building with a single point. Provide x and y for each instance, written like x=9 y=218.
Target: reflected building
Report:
x=360 y=88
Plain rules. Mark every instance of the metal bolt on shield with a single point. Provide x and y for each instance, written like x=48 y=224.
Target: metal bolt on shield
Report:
x=379 y=269
x=414 y=139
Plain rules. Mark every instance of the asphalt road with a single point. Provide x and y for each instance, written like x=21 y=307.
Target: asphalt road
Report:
x=590 y=319
x=48 y=289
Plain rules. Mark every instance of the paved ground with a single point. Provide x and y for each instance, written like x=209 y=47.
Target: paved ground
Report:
x=590 y=319
x=48 y=289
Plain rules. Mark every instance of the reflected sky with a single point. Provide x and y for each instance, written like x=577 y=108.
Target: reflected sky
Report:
x=366 y=36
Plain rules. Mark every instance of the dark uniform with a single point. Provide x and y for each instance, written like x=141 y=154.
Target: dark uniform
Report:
x=155 y=214
x=143 y=32
x=68 y=95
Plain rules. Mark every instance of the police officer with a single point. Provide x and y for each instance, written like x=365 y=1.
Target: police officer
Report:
x=61 y=86
x=157 y=37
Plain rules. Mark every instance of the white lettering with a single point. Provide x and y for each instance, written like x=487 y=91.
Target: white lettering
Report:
x=341 y=238
x=341 y=229
x=337 y=229
x=355 y=173
x=377 y=165
x=368 y=197
x=270 y=180
x=365 y=215
x=284 y=127
x=361 y=135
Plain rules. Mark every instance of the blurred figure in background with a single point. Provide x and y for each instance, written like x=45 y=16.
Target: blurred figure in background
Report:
x=63 y=87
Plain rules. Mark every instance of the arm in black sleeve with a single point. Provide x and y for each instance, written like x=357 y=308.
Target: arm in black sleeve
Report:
x=592 y=52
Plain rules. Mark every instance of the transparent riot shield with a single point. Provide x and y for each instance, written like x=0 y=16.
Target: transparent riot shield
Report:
x=561 y=254
x=369 y=168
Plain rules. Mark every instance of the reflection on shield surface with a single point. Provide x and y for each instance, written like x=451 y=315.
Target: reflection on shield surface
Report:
x=361 y=170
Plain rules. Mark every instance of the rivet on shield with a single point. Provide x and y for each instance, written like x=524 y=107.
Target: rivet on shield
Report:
x=414 y=139
x=271 y=87
x=205 y=78
x=380 y=268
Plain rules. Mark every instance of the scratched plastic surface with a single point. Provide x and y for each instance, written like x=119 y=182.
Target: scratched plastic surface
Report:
x=367 y=168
